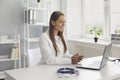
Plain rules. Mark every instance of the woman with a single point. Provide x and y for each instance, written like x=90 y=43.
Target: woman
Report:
x=53 y=44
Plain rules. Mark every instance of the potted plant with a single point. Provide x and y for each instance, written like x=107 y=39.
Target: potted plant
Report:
x=97 y=31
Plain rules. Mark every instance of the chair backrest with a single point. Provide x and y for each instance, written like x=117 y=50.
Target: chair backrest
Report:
x=34 y=57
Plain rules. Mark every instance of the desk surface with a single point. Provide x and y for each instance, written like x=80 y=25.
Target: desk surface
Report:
x=48 y=72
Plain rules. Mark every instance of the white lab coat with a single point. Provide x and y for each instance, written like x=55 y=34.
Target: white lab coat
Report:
x=48 y=52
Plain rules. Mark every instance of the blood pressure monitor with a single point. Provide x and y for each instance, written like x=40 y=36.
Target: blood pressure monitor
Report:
x=67 y=72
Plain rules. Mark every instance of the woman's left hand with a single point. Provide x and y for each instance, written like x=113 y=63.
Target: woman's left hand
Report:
x=78 y=56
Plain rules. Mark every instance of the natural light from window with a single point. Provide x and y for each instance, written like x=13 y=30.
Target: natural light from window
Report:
x=101 y=16
x=115 y=16
x=94 y=16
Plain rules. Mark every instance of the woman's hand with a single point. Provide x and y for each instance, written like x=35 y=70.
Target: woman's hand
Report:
x=76 y=58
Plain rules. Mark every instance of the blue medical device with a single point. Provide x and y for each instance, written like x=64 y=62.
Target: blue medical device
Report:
x=67 y=71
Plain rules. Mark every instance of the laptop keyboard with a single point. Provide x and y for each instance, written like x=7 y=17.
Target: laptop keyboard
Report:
x=95 y=64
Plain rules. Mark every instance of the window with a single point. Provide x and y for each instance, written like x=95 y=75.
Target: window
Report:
x=93 y=16
x=115 y=16
x=103 y=14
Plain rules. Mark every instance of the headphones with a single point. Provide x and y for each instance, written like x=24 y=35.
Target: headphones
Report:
x=67 y=71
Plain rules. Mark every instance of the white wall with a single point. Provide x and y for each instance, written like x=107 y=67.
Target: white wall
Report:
x=9 y=17
x=115 y=51
x=10 y=25
x=52 y=5
x=88 y=51
x=72 y=10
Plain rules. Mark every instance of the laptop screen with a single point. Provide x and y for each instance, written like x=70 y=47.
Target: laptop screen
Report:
x=106 y=54
x=96 y=63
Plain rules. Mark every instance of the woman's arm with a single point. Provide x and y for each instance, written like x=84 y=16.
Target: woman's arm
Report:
x=74 y=58
x=48 y=52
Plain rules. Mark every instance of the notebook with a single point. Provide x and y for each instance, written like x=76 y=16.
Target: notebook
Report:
x=96 y=64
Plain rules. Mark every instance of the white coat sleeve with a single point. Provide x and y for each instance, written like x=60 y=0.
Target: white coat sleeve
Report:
x=48 y=53
x=67 y=54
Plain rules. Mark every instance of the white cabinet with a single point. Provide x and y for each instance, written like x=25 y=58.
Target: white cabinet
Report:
x=10 y=59
x=36 y=22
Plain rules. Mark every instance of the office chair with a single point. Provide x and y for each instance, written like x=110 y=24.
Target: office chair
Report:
x=34 y=57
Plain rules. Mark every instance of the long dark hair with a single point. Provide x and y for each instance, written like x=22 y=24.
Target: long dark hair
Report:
x=55 y=15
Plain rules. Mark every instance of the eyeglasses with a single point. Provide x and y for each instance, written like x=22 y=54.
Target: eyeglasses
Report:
x=116 y=61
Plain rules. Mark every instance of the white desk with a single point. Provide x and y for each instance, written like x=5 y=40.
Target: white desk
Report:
x=48 y=72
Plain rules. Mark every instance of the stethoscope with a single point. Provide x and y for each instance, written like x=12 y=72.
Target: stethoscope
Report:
x=67 y=71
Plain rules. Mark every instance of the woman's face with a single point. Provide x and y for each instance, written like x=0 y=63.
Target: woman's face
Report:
x=59 y=23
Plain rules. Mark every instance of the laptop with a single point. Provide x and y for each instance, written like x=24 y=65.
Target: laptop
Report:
x=96 y=63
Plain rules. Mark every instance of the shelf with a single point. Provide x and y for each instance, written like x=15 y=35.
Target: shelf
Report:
x=8 y=59
x=9 y=41
x=32 y=39
x=116 y=45
x=5 y=58
x=41 y=24
x=2 y=75
x=36 y=19
x=32 y=8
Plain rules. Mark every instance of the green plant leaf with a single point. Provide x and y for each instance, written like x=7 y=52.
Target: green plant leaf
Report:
x=97 y=31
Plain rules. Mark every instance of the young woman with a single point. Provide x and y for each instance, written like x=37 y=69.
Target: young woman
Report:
x=53 y=45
